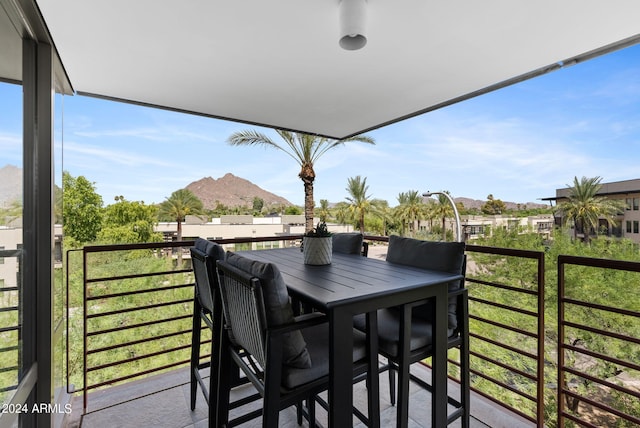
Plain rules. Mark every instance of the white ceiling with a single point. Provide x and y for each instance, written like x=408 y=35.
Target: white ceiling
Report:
x=278 y=63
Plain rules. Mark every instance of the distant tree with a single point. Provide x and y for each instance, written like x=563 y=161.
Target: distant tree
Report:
x=323 y=212
x=493 y=206
x=305 y=149
x=442 y=209
x=584 y=207
x=11 y=213
x=82 y=208
x=180 y=204
x=359 y=201
x=128 y=222
x=292 y=210
x=411 y=208
x=258 y=204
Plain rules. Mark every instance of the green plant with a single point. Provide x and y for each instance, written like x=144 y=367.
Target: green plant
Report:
x=320 y=231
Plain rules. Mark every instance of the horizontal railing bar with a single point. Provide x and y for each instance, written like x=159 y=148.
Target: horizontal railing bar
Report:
x=142 y=324
x=9 y=348
x=137 y=275
x=9 y=309
x=601 y=307
x=506 y=406
x=504 y=326
x=143 y=291
x=602 y=406
x=9 y=388
x=11 y=253
x=138 y=308
x=9 y=369
x=579 y=421
x=140 y=357
x=623 y=337
x=600 y=263
x=602 y=382
x=502 y=286
x=504 y=385
x=527 y=254
x=506 y=307
x=138 y=374
x=504 y=366
x=137 y=342
x=503 y=346
x=627 y=364
x=10 y=328
x=5 y=289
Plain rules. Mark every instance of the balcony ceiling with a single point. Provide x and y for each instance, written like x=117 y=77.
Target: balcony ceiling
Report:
x=278 y=63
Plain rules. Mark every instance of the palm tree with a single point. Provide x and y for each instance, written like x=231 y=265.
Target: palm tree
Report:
x=324 y=211
x=411 y=208
x=359 y=201
x=305 y=149
x=180 y=204
x=584 y=207
x=442 y=209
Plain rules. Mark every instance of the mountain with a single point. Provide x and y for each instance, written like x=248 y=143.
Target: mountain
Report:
x=477 y=203
x=232 y=191
x=10 y=185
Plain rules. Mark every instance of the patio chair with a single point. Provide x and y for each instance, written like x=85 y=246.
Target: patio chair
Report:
x=350 y=243
x=285 y=358
x=442 y=256
x=204 y=255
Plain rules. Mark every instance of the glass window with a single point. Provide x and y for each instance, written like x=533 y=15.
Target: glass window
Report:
x=628 y=226
x=628 y=202
x=636 y=204
x=635 y=226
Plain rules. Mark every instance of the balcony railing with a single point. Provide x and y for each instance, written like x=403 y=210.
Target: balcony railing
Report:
x=9 y=323
x=145 y=292
x=599 y=344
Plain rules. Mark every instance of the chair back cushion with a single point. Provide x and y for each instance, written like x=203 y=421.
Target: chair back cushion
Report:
x=432 y=255
x=204 y=255
x=347 y=243
x=277 y=305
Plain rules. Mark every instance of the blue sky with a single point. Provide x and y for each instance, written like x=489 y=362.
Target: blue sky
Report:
x=519 y=143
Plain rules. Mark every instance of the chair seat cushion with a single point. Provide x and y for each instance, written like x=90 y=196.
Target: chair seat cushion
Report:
x=277 y=307
x=389 y=331
x=317 y=338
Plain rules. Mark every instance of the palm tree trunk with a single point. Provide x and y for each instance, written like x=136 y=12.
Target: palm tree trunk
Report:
x=444 y=230
x=308 y=205
x=179 y=239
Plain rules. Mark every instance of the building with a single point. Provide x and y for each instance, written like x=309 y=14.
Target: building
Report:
x=627 y=222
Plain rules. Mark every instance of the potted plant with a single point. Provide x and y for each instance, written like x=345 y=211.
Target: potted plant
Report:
x=317 y=245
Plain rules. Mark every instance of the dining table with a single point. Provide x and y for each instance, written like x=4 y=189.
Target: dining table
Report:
x=351 y=285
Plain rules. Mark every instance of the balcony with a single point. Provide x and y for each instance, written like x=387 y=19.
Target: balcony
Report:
x=143 y=379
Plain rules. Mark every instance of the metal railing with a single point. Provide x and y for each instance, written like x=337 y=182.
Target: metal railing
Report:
x=155 y=313
x=508 y=285
x=598 y=337
x=137 y=322
x=10 y=326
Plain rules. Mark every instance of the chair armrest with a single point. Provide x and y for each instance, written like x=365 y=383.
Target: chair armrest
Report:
x=300 y=322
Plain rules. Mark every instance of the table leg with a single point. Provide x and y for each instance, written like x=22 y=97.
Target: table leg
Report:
x=340 y=368
x=439 y=359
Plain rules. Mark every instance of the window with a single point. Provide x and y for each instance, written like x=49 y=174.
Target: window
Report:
x=628 y=226
x=635 y=226
x=636 y=204
x=628 y=202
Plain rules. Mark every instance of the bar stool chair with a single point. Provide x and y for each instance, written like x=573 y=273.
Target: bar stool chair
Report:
x=204 y=255
x=285 y=358
x=417 y=320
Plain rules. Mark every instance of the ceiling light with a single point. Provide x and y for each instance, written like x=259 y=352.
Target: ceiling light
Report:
x=353 y=17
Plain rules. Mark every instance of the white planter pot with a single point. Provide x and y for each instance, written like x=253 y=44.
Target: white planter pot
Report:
x=317 y=251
